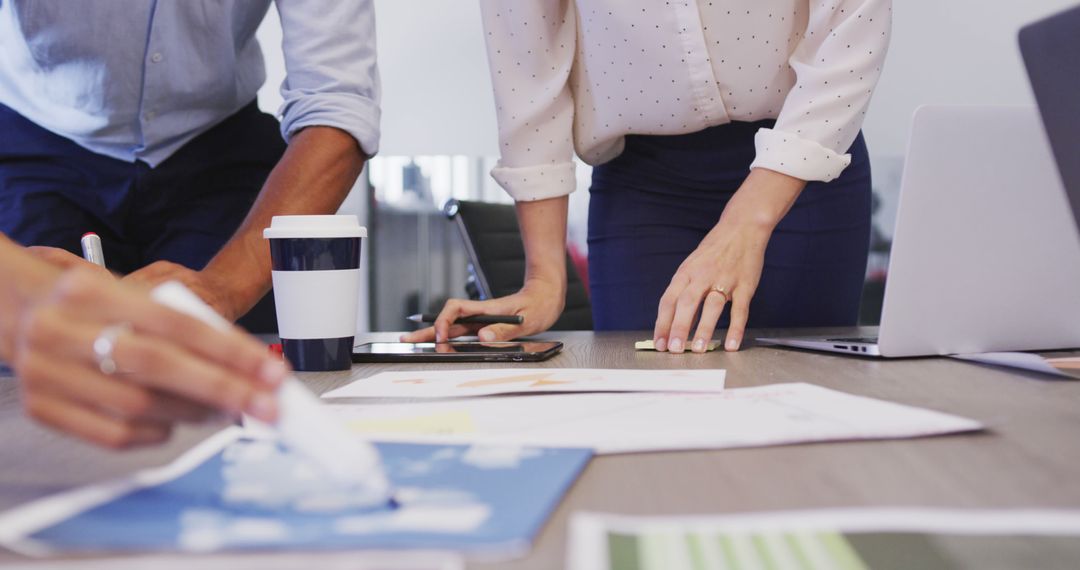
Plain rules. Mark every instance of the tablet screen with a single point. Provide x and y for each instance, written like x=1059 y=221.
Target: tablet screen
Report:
x=453 y=347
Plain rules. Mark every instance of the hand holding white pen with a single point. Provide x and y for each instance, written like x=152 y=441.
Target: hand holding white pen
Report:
x=301 y=423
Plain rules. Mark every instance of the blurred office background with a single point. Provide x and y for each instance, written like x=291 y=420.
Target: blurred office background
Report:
x=439 y=132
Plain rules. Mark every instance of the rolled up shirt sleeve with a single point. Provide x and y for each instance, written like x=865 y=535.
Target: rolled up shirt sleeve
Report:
x=837 y=64
x=331 y=75
x=530 y=48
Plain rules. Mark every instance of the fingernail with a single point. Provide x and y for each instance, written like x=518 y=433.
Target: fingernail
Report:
x=273 y=372
x=732 y=344
x=486 y=336
x=660 y=344
x=263 y=406
x=676 y=345
x=699 y=345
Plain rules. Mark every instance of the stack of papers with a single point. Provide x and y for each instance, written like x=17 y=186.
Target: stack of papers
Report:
x=465 y=383
x=626 y=423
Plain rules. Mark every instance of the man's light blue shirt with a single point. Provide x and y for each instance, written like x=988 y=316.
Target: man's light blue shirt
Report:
x=137 y=79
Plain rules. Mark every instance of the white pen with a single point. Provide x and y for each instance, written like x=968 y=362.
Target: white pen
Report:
x=91 y=249
x=302 y=423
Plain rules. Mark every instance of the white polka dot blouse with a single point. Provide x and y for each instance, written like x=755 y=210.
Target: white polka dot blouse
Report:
x=580 y=75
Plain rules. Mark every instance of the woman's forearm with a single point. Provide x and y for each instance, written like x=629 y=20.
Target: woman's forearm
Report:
x=763 y=199
x=543 y=229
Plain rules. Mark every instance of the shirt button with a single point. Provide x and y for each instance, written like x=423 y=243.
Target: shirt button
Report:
x=149 y=115
x=157 y=57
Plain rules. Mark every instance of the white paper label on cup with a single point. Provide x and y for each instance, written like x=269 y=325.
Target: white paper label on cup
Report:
x=320 y=304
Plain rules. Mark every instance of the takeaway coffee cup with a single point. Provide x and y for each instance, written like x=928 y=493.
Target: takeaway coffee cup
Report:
x=316 y=274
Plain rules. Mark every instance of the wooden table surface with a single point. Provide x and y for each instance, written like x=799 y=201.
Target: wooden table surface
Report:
x=1029 y=457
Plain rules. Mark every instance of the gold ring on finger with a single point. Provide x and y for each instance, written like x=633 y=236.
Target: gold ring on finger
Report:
x=715 y=289
x=105 y=347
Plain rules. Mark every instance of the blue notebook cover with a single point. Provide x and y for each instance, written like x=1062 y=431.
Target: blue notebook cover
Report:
x=252 y=494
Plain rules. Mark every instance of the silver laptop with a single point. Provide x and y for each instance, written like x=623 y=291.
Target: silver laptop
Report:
x=986 y=255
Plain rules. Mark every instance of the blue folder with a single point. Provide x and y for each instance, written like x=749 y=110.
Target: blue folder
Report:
x=255 y=495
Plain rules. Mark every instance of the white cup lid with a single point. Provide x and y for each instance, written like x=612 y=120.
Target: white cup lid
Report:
x=344 y=226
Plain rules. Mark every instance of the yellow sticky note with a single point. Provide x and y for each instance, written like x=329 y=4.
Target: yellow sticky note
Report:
x=443 y=423
x=648 y=345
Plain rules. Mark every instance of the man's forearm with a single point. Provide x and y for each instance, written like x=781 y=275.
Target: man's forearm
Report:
x=313 y=177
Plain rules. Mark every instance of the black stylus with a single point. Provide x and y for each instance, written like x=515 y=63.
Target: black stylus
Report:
x=473 y=320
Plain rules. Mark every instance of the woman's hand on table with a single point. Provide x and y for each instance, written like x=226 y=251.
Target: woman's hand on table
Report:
x=539 y=302
x=725 y=268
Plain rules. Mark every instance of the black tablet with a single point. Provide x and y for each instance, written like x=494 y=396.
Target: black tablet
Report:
x=523 y=351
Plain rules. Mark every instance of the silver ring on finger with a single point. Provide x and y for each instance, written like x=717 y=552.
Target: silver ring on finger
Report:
x=720 y=290
x=105 y=347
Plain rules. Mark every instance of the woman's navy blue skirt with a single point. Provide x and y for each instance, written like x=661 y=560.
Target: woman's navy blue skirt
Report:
x=652 y=205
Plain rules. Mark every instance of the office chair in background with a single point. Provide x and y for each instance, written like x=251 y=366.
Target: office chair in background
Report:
x=497 y=259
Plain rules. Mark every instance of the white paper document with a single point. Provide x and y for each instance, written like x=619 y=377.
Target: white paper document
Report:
x=845 y=539
x=486 y=382
x=627 y=423
x=1023 y=361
